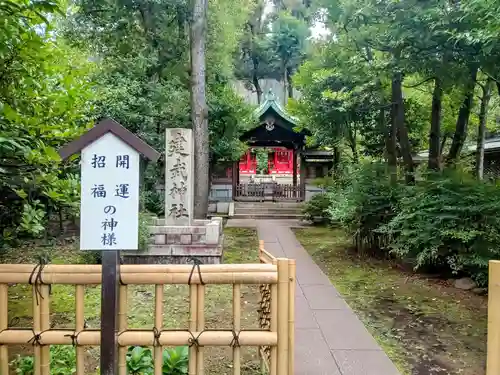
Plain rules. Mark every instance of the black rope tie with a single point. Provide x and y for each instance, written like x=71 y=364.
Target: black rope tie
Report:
x=196 y=265
x=35 y=340
x=36 y=278
x=74 y=338
x=156 y=335
x=235 y=342
x=193 y=341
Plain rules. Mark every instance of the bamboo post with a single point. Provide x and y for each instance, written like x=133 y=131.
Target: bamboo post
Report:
x=493 y=356
x=36 y=330
x=4 y=313
x=291 y=315
x=122 y=326
x=283 y=316
x=236 y=327
x=200 y=326
x=158 y=350
x=193 y=311
x=273 y=362
x=79 y=326
x=44 y=326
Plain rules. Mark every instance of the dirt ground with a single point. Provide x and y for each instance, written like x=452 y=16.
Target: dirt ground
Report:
x=240 y=246
x=426 y=326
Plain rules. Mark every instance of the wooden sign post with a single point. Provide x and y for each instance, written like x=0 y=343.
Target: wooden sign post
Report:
x=109 y=214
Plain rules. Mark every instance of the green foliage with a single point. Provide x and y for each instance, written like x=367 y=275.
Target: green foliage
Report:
x=316 y=209
x=364 y=203
x=176 y=360
x=62 y=361
x=139 y=361
x=44 y=93
x=446 y=223
x=262 y=157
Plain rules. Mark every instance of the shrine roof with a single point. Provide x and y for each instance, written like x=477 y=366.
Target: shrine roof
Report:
x=271 y=102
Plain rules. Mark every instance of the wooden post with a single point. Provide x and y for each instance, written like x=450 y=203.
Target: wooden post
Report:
x=4 y=313
x=79 y=326
x=291 y=315
x=236 y=327
x=283 y=290
x=294 y=167
x=109 y=309
x=493 y=356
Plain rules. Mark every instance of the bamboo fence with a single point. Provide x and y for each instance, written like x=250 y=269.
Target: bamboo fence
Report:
x=275 y=338
x=272 y=301
x=493 y=351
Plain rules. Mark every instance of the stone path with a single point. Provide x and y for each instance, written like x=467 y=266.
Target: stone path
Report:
x=330 y=339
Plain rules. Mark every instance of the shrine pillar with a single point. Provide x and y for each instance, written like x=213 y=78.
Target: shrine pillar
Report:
x=294 y=166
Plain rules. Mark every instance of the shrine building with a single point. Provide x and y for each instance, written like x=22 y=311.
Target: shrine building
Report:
x=286 y=167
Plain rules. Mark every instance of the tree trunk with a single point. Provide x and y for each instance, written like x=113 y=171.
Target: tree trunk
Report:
x=483 y=117
x=435 y=132
x=398 y=119
x=256 y=84
x=390 y=144
x=353 y=144
x=289 y=82
x=463 y=119
x=199 y=110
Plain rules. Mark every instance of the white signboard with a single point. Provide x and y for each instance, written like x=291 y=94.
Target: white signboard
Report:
x=109 y=195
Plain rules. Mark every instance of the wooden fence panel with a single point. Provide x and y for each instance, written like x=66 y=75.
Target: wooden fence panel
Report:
x=275 y=339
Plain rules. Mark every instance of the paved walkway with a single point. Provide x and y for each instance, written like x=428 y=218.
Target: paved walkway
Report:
x=329 y=338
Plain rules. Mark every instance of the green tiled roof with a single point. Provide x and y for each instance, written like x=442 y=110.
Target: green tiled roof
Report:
x=271 y=102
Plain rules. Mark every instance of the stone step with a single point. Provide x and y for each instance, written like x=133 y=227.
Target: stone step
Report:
x=267 y=205
x=277 y=211
x=267 y=216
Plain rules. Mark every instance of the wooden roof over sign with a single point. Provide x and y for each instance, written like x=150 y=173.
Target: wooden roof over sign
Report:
x=109 y=126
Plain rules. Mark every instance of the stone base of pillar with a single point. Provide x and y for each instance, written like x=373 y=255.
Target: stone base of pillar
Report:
x=179 y=244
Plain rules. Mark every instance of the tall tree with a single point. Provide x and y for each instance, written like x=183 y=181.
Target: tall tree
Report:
x=199 y=110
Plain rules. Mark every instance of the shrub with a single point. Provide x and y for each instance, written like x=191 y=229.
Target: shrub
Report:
x=362 y=203
x=62 y=361
x=316 y=208
x=449 y=222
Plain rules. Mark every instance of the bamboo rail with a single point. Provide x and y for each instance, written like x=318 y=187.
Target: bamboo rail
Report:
x=275 y=339
x=493 y=346
x=273 y=318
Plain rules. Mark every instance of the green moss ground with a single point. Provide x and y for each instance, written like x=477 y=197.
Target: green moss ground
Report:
x=240 y=246
x=425 y=325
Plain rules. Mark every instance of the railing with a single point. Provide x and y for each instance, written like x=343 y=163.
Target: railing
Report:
x=268 y=305
x=249 y=191
x=276 y=334
x=286 y=192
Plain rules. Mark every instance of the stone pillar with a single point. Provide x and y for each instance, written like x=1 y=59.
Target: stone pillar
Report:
x=179 y=182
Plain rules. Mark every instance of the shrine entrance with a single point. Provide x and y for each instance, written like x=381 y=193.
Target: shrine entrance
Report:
x=271 y=168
